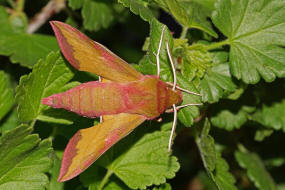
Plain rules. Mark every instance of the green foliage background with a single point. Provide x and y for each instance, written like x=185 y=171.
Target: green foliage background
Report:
x=230 y=51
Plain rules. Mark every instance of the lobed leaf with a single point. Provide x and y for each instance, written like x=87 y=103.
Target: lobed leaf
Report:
x=11 y=121
x=216 y=82
x=187 y=115
x=54 y=172
x=6 y=95
x=24 y=159
x=206 y=145
x=230 y=118
x=255 y=170
x=96 y=15
x=223 y=178
x=48 y=77
x=141 y=159
x=23 y=48
x=156 y=29
x=251 y=57
x=198 y=14
x=140 y=8
x=271 y=116
x=216 y=167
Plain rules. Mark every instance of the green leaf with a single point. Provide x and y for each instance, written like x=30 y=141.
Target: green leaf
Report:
x=11 y=121
x=206 y=145
x=216 y=82
x=223 y=178
x=142 y=158
x=48 y=77
x=198 y=17
x=271 y=116
x=255 y=170
x=156 y=29
x=216 y=167
x=261 y=134
x=23 y=48
x=231 y=117
x=93 y=177
x=75 y=4
x=24 y=159
x=177 y=11
x=251 y=57
x=54 y=173
x=140 y=8
x=165 y=186
x=97 y=14
x=187 y=114
x=6 y=95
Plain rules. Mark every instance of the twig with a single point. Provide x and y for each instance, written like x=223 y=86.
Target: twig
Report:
x=53 y=6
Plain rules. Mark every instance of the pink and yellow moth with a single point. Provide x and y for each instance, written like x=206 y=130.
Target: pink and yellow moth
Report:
x=123 y=99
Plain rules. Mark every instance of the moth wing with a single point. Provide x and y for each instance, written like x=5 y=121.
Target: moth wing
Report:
x=88 y=55
x=87 y=145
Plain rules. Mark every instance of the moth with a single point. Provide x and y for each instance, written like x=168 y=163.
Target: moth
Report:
x=123 y=98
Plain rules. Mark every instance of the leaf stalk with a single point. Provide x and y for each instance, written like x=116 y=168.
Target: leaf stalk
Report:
x=105 y=179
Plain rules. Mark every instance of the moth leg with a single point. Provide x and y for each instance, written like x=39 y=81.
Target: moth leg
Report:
x=184 y=90
x=158 y=52
x=173 y=128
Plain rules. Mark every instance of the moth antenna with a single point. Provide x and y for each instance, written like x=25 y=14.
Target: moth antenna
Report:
x=101 y=117
x=158 y=52
x=186 y=105
x=184 y=90
x=173 y=128
x=172 y=66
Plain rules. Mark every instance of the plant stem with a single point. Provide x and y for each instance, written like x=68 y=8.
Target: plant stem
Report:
x=184 y=32
x=105 y=179
x=218 y=44
x=20 y=5
x=33 y=123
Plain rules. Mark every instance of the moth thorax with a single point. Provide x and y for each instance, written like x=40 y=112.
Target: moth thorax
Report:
x=175 y=97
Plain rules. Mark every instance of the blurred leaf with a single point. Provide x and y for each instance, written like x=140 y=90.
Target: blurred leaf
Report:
x=6 y=95
x=251 y=57
x=206 y=145
x=261 y=134
x=97 y=14
x=140 y=8
x=230 y=118
x=48 y=77
x=11 y=121
x=216 y=167
x=255 y=170
x=141 y=154
x=75 y=4
x=271 y=116
x=24 y=159
x=54 y=172
x=23 y=48
x=223 y=178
